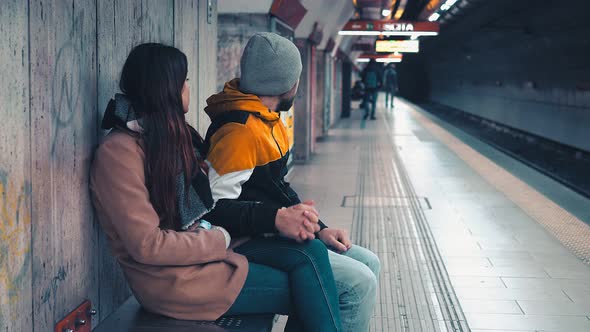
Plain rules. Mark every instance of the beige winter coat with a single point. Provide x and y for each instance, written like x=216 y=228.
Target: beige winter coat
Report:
x=185 y=275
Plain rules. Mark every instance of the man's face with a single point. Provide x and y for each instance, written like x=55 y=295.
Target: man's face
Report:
x=285 y=104
x=286 y=100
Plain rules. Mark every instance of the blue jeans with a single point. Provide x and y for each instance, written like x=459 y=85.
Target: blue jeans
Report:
x=389 y=96
x=289 y=278
x=356 y=273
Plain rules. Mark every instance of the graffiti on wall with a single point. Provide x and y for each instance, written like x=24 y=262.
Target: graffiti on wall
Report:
x=15 y=241
x=67 y=81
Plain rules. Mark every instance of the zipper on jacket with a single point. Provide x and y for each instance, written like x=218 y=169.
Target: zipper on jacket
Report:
x=272 y=133
x=281 y=153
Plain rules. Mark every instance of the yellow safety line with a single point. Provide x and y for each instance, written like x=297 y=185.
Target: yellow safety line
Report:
x=567 y=228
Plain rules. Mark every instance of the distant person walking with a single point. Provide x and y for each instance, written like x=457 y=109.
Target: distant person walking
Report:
x=391 y=87
x=372 y=79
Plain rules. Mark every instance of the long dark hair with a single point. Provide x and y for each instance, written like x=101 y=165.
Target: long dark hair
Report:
x=152 y=78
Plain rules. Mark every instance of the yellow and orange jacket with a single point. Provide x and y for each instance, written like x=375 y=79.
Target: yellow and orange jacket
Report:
x=248 y=149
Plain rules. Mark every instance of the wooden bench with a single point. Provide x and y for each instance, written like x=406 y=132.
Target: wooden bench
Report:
x=130 y=317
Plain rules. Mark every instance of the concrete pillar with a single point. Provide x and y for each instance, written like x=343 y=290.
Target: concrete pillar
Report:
x=336 y=110
x=207 y=58
x=328 y=93
x=346 y=88
x=305 y=102
x=320 y=94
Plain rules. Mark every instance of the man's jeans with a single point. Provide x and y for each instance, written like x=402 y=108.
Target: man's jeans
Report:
x=290 y=278
x=356 y=273
x=370 y=102
x=389 y=96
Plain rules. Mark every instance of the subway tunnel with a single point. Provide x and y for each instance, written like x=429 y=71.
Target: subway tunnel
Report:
x=450 y=138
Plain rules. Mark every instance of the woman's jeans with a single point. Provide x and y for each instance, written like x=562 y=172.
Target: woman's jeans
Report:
x=290 y=278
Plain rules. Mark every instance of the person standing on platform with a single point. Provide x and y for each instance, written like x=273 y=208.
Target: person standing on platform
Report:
x=390 y=78
x=372 y=79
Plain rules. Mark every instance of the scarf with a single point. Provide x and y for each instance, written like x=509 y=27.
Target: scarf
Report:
x=192 y=204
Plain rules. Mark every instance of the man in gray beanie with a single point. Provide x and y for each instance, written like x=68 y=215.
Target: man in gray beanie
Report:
x=248 y=153
x=270 y=65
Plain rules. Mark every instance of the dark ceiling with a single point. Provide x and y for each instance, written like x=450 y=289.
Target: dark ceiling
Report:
x=413 y=9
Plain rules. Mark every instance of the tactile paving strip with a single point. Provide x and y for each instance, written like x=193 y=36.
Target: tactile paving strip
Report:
x=573 y=233
x=415 y=293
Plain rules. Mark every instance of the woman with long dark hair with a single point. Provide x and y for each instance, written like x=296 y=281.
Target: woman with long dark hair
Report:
x=149 y=179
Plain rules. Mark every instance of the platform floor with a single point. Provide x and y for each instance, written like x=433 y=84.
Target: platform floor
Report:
x=464 y=244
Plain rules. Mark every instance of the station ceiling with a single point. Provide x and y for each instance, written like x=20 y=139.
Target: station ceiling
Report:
x=331 y=15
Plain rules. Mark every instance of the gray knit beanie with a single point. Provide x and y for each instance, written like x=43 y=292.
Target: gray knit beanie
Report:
x=270 y=64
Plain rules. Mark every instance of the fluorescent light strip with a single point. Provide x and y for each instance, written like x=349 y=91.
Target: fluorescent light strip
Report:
x=358 y=33
x=434 y=17
x=447 y=5
x=382 y=60
x=387 y=33
x=386 y=60
x=409 y=33
x=400 y=10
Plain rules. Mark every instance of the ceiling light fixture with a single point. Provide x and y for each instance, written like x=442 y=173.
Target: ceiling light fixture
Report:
x=388 y=60
x=386 y=12
x=447 y=5
x=434 y=17
x=384 y=58
x=415 y=34
x=359 y=33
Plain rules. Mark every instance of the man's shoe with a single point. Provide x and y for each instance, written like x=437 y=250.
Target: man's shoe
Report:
x=373 y=118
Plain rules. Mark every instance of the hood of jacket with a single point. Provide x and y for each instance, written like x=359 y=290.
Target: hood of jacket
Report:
x=120 y=114
x=232 y=99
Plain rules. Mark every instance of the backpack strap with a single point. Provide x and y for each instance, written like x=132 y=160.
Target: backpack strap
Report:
x=222 y=119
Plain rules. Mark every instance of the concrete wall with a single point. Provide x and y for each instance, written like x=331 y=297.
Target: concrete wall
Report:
x=305 y=103
x=234 y=32
x=336 y=109
x=526 y=67
x=320 y=93
x=328 y=91
x=61 y=62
